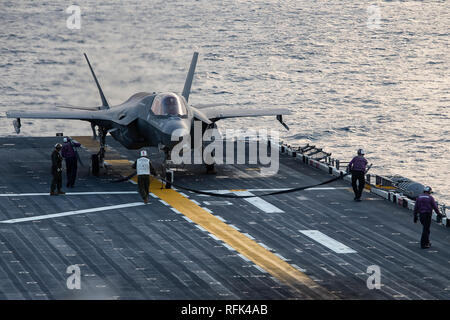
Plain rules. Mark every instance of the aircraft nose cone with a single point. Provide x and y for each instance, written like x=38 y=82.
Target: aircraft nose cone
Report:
x=173 y=129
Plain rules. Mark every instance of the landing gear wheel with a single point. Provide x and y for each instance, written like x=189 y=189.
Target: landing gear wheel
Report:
x=101 y=153
x=97 y=160
x=95 y=165
x=167 y=172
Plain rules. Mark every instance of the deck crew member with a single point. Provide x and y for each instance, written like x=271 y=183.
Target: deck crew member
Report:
x=142 y=166
x=69 y=154
x=56 y=171
x=424 y=207
x=358 y=169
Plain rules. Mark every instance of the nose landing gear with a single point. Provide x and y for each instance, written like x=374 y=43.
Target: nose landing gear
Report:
x=97 y=159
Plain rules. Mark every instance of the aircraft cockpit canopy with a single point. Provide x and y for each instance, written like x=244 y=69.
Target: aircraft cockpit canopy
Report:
x=168 y=104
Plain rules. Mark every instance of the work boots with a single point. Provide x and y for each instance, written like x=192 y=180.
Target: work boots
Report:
x=427 y=246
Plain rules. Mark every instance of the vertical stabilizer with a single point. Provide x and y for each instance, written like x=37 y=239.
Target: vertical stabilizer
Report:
x=105 y=104
x=190 y=76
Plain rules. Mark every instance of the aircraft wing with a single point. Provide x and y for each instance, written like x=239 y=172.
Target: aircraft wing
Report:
x=216 y=114
x=72 y=115
x=69 y=115
x=209 y=105
x=80 y=108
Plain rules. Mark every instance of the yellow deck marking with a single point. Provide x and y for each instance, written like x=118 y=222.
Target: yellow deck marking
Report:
x=119 y=162
x=113 y=160
x=93 y=146
x=385 y=187
x=119 y=166
x=262 y=257
x=253 y=251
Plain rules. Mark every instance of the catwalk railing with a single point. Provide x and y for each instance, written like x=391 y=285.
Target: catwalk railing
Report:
x=380 y=185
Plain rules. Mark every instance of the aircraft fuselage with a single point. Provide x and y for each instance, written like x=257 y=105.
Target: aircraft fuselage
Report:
x=148 y=129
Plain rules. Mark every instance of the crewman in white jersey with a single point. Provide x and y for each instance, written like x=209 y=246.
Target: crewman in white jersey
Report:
x=142 y=166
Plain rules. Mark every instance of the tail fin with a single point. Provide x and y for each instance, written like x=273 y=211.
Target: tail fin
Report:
x=190 y=76
x=105 y=104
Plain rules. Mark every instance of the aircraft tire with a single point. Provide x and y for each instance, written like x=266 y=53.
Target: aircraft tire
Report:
x=95 y=165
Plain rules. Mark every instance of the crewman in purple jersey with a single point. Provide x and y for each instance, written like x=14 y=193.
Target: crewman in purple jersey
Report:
x=70 y=155
x=424 y=207
x=358 y=169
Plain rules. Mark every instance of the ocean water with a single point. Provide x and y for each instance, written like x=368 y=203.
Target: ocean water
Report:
x=354 y=73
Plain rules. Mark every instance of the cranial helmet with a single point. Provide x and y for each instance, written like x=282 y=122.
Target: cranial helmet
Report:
x=427 y=189
x=361 y=152
x=65 y=139
x=58 y=146
x=170 y=101
x=143 y=153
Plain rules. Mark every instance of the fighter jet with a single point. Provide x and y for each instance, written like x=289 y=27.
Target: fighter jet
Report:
x=146 y=119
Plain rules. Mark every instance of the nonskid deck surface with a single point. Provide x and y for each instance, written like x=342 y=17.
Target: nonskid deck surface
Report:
x=313 y=244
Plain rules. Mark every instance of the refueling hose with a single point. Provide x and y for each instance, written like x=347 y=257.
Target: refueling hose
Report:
x=238 y=196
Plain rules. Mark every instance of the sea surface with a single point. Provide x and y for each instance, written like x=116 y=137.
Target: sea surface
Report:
x=355 y=74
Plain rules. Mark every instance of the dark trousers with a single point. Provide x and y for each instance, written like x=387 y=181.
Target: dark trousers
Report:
x=358 y=176
x=144 y=184
x=425 y=220
x=71 y=166
x=56 y=181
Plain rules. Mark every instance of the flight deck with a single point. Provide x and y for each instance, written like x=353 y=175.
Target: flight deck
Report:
x=312 y=244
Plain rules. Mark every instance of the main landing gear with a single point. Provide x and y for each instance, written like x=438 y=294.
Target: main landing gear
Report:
x=97 y=160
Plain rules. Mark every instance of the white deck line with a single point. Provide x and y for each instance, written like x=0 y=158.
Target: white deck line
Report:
x=298 y=268
x=228 y=247
x=187 y=219
x=206 y=209
x=328 y=242
x=259 y=203
x=214 y=237
x=175 y=210
x=220 y=218
x=164 y=203
x=234 y=227
x=244 y=257
x=260 y=269
x=265 y=247
x=281 y=257
x=248 y=236
x=71 y=213
x=201 y=228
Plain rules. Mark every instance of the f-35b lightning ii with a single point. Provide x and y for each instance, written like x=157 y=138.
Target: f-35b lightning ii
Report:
x=146 y=119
